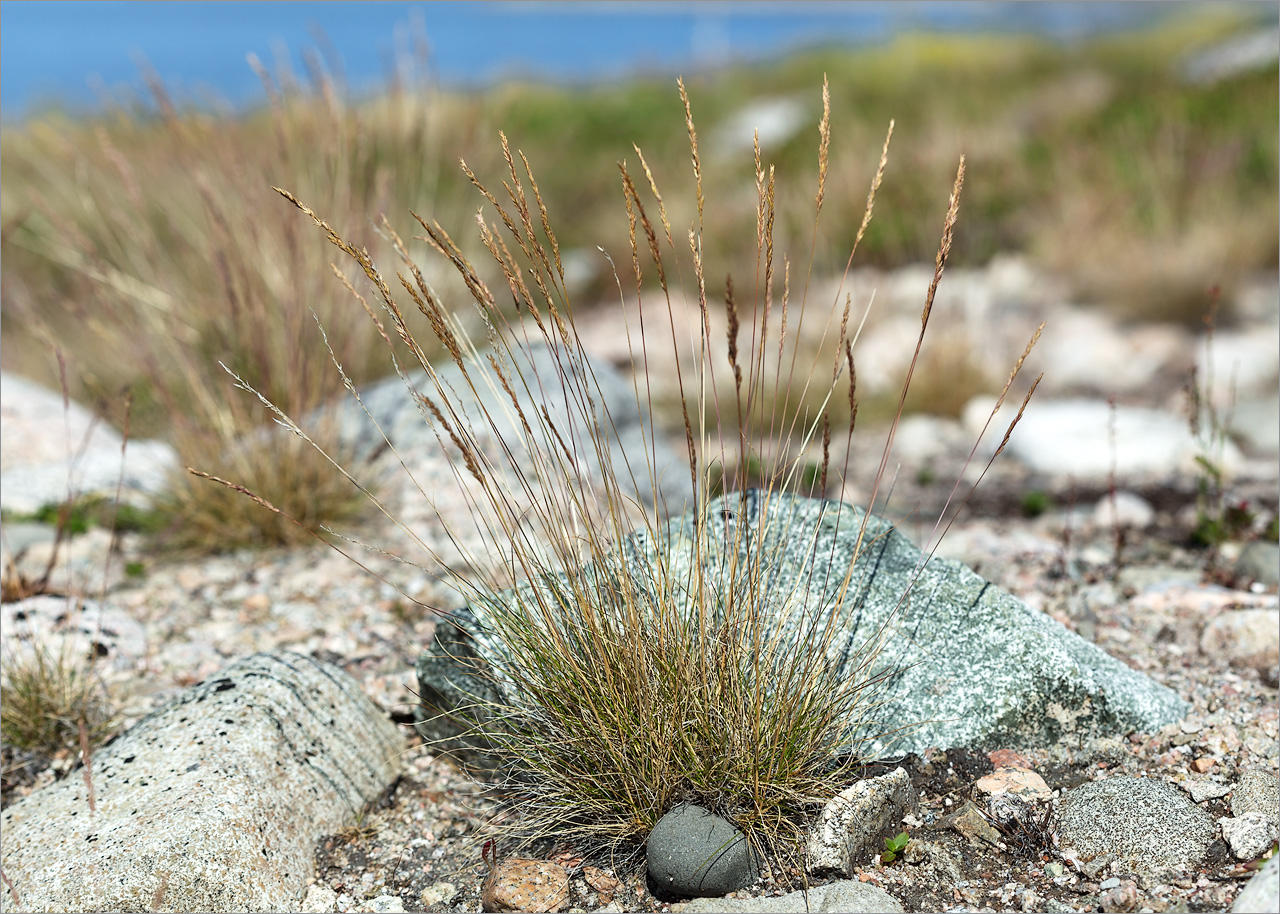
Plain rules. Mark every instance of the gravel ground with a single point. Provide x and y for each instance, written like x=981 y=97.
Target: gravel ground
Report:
x=421 y=847
x=427 y=844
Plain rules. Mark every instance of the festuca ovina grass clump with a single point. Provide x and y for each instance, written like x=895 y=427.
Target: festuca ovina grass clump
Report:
x=612 y=695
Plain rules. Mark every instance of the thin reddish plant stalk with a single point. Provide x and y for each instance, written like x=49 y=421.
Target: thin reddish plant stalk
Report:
x=87 y=762
x=17 y=899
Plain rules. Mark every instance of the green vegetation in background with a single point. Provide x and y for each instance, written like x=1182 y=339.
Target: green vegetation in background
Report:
x=97 y=511
x=150 y=246
x=1096 y=158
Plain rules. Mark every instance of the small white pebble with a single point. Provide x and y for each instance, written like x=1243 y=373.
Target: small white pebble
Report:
x=439 y=893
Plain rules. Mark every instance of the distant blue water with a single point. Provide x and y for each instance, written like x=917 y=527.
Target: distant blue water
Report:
x=71 y=53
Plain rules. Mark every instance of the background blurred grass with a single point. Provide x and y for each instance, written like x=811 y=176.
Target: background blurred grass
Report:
x=1096 y=159
x=147 y=243
x=148 y=246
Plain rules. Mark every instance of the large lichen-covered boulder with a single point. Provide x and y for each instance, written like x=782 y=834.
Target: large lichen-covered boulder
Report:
x=960 y=661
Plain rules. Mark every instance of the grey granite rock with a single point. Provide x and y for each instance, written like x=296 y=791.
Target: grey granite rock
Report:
x=694 y=853
x=1249 y=835
x=1255 y=423
x=213 y=802
x=1247 y=639
x=1124 y=509
x=1089 y=440
x=932 y=862
x=18 y=537
x=544 y=370
x=847 y=896
x=1257 y=790
x=320 y=899
x=851 y=825
x=965 y=663
x=1242 y=52
x=1254 y=824
x=1147 y=824
x=1202 y=789
x=1262 y=894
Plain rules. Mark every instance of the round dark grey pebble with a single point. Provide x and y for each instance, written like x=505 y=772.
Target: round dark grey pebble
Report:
x=695 y=853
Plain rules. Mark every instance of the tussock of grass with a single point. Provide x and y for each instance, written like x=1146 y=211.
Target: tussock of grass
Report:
x=640 y=693
x=950 y=378
x=49 y=697
x=622 y=676
x=286 y=471
x=52 y=702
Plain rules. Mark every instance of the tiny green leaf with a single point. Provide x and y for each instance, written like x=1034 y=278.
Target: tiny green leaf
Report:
x=894 y=846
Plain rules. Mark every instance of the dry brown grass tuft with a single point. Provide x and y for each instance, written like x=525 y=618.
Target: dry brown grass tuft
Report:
x=53 y=701
x=152 y=248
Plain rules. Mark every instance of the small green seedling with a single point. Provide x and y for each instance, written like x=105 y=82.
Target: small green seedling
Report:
x=894 y=847
x=1035 y=503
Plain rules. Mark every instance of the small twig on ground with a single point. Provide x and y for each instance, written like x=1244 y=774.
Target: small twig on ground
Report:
x=12 y=891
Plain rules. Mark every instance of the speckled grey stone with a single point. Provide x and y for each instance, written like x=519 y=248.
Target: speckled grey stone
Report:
x=1249 y=835
x=1254 y=824
x=694 y=853
x=851 y=825
x=213 y=802
x=965 y=663
x=848 y=896
x=1262 y=894
x=1146 y=823
x=1257 y=790
x=1202 y=789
